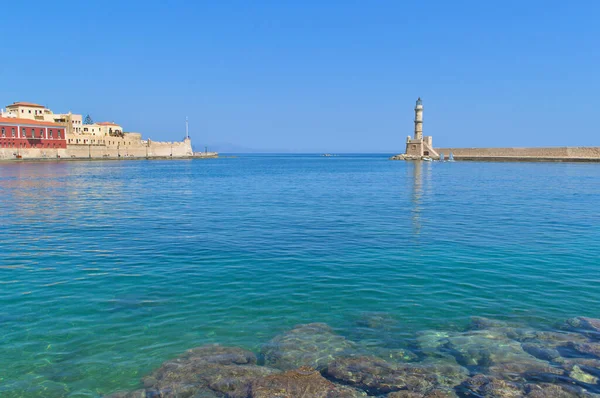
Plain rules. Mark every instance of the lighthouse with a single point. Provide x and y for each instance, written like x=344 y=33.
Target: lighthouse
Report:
x=419 y=119
x=419 y=146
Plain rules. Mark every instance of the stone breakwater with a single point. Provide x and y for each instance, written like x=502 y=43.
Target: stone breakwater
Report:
x=130 y=146
x=557 y=154
x=490 y=359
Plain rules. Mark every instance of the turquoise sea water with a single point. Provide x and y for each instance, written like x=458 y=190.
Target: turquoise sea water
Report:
x=109 y=268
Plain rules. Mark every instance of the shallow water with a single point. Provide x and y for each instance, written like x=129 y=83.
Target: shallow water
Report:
x=107 y=269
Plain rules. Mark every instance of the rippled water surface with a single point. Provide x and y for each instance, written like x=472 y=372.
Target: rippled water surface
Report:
x=107 y=269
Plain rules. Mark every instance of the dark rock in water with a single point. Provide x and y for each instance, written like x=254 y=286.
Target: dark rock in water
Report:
x=590 y=365
x=224 y=370
x=232 y=380
x=541 y=352
x=592 y=349
x=218 y=354
x=486 y=348
x=588 y=326
x=433 y=343
x=446 y=371
x=558 y=339
x=430 y=394
x=302 y=382
x=377 y=376
x=545 y=390
x=526 y=370
x=393 y=354
x=583 y=370
x=381 y=335
x=481 y=323
x=377 y=320
x=314 y=345
x=150 y=393
x=128 y=394
x=490 y=387
x=584 y=323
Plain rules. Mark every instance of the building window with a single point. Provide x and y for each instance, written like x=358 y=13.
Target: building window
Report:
x=50 y=133
x=3 y=133
x=13 y=133
x=41 y=133
x=30 y=111
x=58 y=134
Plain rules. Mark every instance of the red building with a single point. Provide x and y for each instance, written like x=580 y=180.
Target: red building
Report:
x=27 y=133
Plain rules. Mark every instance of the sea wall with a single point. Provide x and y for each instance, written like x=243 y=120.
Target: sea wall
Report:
x=93 y=147
x=548 y=153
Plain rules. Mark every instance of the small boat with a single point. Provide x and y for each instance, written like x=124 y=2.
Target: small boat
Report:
x=427 y=159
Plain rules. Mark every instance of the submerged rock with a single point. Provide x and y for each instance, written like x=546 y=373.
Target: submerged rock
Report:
x=433 y=343
x=446 y=371
x=377 y=320
x=314 y=345
x=430 y=394
x=540 y=351
x=302 y=382
x=214 y=353
x=128 y=394
x=590 y=365
x=557 y=339
x=224 y=370
x=381 y=335
x=377 y=376
x=546 y=390
x=490 y=387
x=576 y=373
x=482 y=323
x=526 y=370
x=486 y=348
x=592 y=349
x=589 y=326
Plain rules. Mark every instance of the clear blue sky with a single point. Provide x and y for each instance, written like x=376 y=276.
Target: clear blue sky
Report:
x=336 y=76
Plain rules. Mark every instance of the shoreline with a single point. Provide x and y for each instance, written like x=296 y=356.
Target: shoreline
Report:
x=95 y=159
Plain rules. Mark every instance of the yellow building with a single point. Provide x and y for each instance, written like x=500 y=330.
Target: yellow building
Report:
x=103 y=128
x=29 y=110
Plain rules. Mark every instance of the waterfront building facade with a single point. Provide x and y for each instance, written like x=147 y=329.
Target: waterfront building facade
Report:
x=32 y=131
x=28 y=110
x=20 y=133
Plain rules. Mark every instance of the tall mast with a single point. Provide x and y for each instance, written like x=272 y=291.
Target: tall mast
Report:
x=187 y=130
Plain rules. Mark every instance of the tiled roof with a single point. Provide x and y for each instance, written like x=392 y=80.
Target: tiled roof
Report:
x=25 y=104
x=107 y=124
x=16 y=120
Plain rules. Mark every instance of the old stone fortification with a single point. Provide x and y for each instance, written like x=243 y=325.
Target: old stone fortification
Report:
x=130 y=145
x=548 y=153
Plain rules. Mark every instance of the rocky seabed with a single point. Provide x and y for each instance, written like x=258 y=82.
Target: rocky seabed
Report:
x=489 y=359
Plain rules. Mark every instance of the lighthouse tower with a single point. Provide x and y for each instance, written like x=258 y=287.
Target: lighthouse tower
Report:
x=419 y=120
x=419 y=146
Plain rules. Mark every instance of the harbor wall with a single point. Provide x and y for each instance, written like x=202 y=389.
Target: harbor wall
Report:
x=547 y=153
x=111 y=147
